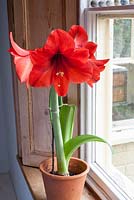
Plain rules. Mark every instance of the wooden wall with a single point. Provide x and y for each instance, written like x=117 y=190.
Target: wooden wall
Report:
x=31 y=21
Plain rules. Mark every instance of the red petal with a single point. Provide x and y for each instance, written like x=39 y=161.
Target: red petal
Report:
x=93 y=79
x=61 y=77
x=59 y=41
x=23 y=67
x=40 y=77
x=78 y=73
x=78 y=57
x=97 y=66
x=22 y=61
x=40 y=57
x=79 y=76
x=75 y=66
x=91 y=46
x=79 y=35
x=50 y=75
x=61 y=83
x=16 y=48
x=100 y=63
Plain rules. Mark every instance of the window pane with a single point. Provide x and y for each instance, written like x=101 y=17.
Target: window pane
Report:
x=115 y=100
x=123 y=100
x=122 y=38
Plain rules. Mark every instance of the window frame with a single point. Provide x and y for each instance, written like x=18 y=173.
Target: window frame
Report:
x=101 y=183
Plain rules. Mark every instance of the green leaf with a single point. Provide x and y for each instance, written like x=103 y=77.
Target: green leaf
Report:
x=76 y=142
x=67 y=121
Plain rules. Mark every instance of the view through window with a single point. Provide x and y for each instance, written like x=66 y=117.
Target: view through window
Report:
x=123 y=96
x=115 y=98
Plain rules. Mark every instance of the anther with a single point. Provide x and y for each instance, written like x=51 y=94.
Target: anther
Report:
x=60 y=74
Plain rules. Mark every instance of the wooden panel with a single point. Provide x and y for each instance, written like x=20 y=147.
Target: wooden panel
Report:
x=42 y=17
x=71 y=13
x=41 y=122
x=31 y=24
x=73 y=93
x=17 y=29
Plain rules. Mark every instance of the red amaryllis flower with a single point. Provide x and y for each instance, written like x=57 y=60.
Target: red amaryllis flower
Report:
x=96 y=66
x=80 y=37
x=59 y=63
x=66 y=57
x=22 y=61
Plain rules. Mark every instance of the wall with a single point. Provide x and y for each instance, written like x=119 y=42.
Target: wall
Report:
x=8 y=147
x=31 y=25
x=4 y=166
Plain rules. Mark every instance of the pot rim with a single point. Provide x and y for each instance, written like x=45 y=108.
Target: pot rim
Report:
x=54 y=176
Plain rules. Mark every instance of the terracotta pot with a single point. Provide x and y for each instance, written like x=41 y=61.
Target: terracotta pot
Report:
x=64 y=187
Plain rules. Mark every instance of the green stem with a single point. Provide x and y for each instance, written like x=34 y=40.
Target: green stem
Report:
x=60 y=100
x=55 y=120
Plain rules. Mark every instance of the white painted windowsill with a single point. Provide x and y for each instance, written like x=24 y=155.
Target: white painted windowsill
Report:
x=123 y=132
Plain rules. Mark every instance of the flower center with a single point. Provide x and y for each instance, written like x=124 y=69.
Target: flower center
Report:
x=58 y=58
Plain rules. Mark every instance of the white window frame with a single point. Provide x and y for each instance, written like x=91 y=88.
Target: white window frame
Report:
x=100 y=182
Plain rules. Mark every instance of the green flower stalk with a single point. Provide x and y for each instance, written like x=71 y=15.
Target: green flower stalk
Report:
x=62 y=121
x=55 y=120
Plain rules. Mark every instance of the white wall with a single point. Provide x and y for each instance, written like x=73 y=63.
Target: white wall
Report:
x=8 y=146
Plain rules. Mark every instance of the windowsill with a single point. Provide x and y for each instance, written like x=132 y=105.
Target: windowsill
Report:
x=34 y=180
x=122 y=132
x=119 y=61
x=114 y=185
x=123 y=182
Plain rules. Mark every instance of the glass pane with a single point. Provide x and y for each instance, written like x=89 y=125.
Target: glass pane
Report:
x=122 y=38
x=115 y=99
x=123 y=99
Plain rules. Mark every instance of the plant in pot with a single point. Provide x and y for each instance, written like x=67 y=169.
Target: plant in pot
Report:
x=66 y=57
